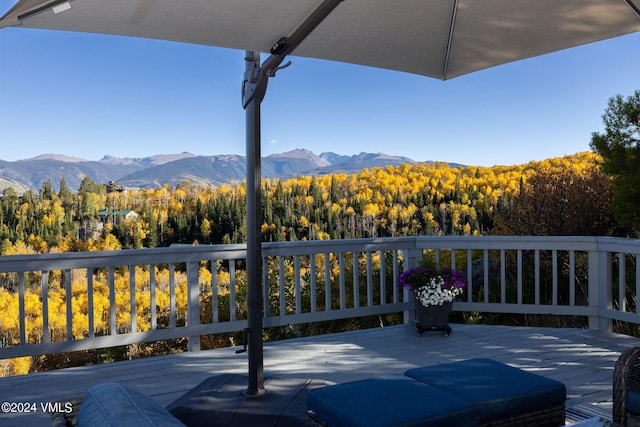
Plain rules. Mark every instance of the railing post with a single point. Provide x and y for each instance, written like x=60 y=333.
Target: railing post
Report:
x=193 y=303
x=412 y=257
x=600 y=282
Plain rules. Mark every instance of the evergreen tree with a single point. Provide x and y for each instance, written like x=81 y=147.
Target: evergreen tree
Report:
x=46 y=191
x=619 y=146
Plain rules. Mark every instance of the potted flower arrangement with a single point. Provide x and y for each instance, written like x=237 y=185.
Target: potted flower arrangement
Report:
x=434 y=290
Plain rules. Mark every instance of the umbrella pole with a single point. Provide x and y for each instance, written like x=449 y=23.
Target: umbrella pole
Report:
x=254 y=245
x=254 y=86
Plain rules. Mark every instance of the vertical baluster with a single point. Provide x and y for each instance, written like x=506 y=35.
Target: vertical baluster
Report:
x=394 y=253
x=356 y=280
x=112 y=300
x=90 y=306
x=298 y=291
x=536 y=269
x=341 y=280
x=369 y=280
x=519 y=267
x=622 y=301
x=21 y=311
x=313 y=282
x=215 y=313
x=327 y=282
x=68 y=295
x=469 y=275
x=572 y=277
x=44 y=289
x=133 y=306
x=554 y=277
x=265 y=288
x=485 y=265
x=503 y=277
x=232 y=290
x=172 y=296
x=152 y=296
x=281 y=287
x=383 y=283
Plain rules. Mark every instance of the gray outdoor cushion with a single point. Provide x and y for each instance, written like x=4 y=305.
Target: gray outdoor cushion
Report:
x=113 y=405
x=390 y=402
x=499 y=390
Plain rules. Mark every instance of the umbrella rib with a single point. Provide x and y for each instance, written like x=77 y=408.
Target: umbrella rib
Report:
x=40 y=9
x=450 y=40
x=286 y=45
x=633 y=7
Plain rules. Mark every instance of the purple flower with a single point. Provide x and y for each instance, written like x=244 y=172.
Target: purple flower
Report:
x=453 y=278
x=421 y=276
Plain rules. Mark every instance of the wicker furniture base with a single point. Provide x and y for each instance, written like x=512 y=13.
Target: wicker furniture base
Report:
x=626 y=376
x=547 y=417
x=314 y=421
x=596 y=422
x=632 y=420
x=67 y=419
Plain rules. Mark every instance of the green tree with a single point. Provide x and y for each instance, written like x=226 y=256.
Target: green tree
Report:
x=619 y=147
x=65 y=195
x=46 y=191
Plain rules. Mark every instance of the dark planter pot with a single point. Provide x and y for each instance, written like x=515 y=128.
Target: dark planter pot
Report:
x=432 y=318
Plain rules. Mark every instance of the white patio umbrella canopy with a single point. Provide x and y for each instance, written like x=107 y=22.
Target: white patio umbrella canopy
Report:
x=435 y=38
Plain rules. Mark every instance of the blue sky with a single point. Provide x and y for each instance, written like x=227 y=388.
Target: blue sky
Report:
x=89 y=95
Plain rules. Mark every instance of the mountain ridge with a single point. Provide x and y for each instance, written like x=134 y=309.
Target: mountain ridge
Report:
x=160 y=169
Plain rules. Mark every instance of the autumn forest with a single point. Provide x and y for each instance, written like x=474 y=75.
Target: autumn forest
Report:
x=559 y=196
x=420 y=199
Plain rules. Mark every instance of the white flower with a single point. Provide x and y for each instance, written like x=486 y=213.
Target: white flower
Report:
x=435 y=294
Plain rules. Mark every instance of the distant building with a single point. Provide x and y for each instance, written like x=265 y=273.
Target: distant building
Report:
x=112 y=215
x=114 y=186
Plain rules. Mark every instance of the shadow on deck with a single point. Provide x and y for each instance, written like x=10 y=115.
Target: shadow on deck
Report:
x=582 y=359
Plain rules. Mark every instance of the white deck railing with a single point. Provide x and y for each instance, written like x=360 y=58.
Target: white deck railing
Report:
x=199 y=290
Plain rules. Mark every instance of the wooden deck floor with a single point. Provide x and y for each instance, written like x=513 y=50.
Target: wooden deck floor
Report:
x=582 y=359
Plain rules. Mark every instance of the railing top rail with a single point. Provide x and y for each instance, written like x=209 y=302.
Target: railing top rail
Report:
x=343 y=245
x=61 y=261
x=581 y=243
x=617 y=244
